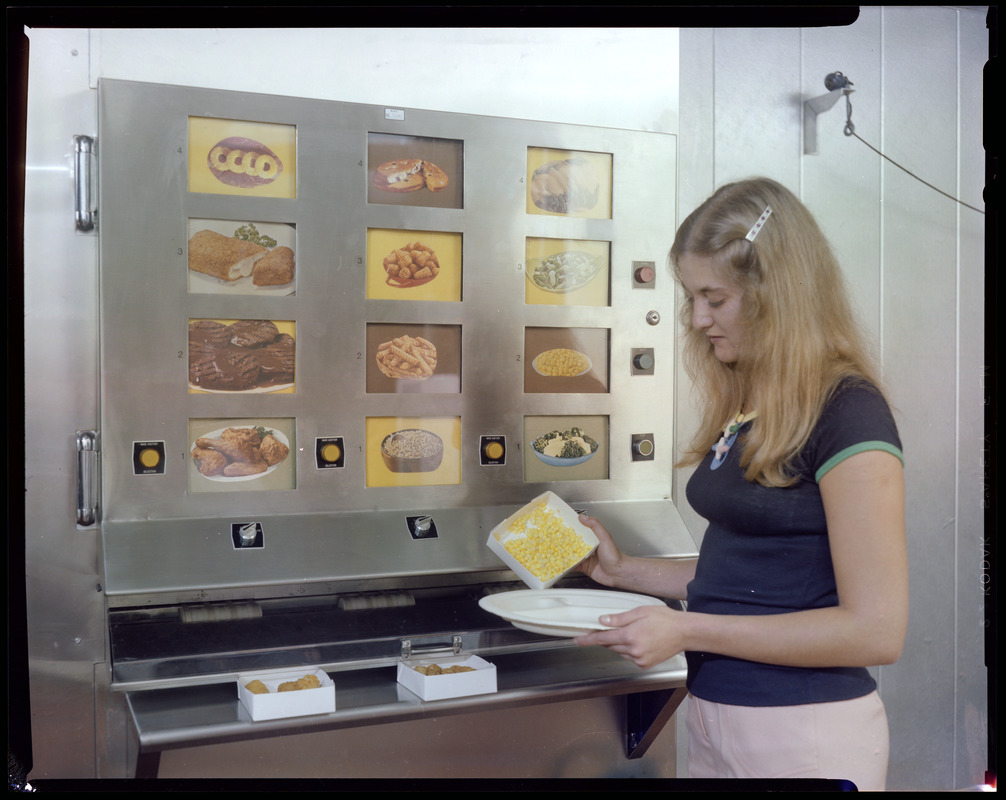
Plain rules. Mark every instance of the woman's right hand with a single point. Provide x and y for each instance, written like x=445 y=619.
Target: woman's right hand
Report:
x=605 y=564
x=609 y=566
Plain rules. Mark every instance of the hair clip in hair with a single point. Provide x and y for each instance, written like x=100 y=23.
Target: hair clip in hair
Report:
x=758 y=225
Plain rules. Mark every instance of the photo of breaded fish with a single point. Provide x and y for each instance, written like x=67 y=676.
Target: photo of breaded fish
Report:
x=223 y=257
x=274 y=269
x=251 y=257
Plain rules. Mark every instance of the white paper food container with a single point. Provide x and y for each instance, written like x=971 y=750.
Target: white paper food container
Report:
x=502 y=532
x=277 y=705
x=459 y=684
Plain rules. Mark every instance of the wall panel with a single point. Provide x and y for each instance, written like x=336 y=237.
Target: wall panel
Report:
x=914 y=262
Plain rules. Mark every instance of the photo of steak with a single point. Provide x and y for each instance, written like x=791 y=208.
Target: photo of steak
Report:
x=241 y=356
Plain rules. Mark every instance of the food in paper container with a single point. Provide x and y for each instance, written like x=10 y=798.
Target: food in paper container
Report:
x=436 y=669
x=448 y=677
x=549 y=546
x=307 y=682
x=257 y=687
x=542 y=541
x=275 y=695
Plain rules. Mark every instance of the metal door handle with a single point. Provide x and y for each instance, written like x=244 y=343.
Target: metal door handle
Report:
x=87 y=478
x=84 y=202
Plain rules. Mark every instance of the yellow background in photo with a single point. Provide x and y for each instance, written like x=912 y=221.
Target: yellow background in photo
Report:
x=447 y=247
x=447 y=428
x=537 y=156
x=594 y=293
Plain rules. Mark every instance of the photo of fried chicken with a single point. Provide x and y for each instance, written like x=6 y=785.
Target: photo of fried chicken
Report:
x=239 y=452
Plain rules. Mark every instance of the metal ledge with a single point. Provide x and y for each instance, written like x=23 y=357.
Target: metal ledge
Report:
x=191 y=716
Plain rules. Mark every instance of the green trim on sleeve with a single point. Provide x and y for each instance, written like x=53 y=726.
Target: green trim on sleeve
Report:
x=862 y=447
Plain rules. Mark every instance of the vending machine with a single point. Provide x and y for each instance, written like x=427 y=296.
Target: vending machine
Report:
x=338 y=344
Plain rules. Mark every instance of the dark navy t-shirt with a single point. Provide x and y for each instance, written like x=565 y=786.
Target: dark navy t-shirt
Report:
x=766 y=552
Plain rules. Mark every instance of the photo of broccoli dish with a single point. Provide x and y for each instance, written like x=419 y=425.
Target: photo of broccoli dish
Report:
x=573 y=443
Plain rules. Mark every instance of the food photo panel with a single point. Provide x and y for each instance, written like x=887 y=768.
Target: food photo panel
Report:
x=413 y=265
x=242 y=455
x=413 y=451
x=413 y=358
x=415 y=171
x=568 y=183
x=566 y=360
x=565 y=448
x=242 y=257
x=228 y=356
x=567 y=272
x=238 y=157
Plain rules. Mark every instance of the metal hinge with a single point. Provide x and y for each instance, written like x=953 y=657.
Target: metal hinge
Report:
x=87 y=479
x=85 y=174
x=409 y=649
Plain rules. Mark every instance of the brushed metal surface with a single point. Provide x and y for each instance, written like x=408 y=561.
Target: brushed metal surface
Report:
x=187 y=716
x=158 y=536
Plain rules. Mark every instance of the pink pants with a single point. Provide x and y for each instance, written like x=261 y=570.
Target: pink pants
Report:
x=846 y=740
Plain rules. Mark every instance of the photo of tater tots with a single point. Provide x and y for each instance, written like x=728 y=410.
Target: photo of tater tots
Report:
x=411 y=265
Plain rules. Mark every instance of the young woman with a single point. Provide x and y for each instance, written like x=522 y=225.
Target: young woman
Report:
x=801 y=581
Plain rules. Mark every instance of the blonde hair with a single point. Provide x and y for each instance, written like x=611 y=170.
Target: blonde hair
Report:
x=800 y=335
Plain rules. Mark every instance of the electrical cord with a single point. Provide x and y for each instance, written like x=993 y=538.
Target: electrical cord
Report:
x=850 y=130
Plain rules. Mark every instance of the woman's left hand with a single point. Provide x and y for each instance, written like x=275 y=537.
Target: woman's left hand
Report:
x=647 y=635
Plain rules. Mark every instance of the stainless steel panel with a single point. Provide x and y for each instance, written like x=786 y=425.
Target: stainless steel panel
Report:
x=333 y=525
x=195 y=560
x=62 y=570
x=179 y=717
x=577 y=739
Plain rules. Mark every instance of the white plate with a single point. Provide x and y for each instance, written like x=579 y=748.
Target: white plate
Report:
x=200 y=283
x=584 y=371
x=562 y=612
x=585 y=276
x=254 y=390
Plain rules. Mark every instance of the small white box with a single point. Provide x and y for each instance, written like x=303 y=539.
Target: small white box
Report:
x=503 y=532
x=481 y=680
x=277 y=704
